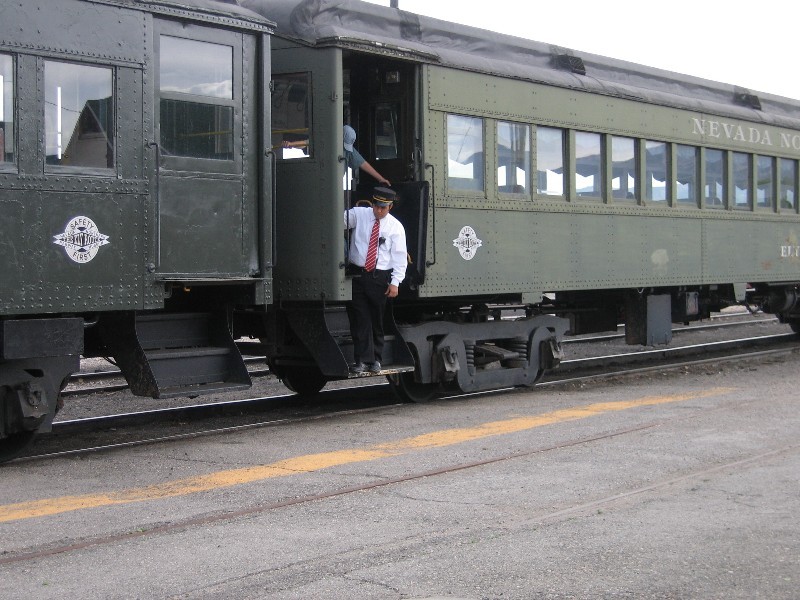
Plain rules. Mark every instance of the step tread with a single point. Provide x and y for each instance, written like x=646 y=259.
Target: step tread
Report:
x=386 y=370
x=191 y=352
x=200 y=388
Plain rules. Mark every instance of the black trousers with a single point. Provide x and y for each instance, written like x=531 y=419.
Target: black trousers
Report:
x=366 y=314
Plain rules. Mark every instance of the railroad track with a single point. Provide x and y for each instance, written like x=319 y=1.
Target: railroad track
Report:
x=681 y=356
x=717 y=322
x=81 y=436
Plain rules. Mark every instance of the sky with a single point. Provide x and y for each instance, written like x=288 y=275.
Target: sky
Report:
x=751 y=45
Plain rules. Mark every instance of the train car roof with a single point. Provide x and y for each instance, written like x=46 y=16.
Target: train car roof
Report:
x=231 y=10
x=373 y=28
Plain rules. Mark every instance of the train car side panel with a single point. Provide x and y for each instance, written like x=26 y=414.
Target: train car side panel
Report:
x=63 y=26
x=503 y=252
x=751 y=251
x=74 y=197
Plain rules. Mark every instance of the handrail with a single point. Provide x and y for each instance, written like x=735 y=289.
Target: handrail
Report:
x=429 y=263
x=154 y=266
x=347 y=207
x=273 y=159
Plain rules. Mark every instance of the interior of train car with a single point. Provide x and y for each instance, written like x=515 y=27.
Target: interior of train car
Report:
x=380 y=103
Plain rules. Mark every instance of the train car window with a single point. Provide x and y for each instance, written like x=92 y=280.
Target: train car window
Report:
x=6 y=109
x=550 y=161
x=788 y=193
x=386 y=133
x=623 y=169
x=196 y=85
x=742 y=177
x=513 y=158
x=656 y=165
x=686 y=175
x=588 y=164
x=765 y=181
x=196 y=68
x=715 y=188
x=465 y=162
x=291 y=115
x=79 y=115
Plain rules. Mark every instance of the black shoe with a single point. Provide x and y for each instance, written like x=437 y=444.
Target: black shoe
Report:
x=358 y=368
x=375 y=367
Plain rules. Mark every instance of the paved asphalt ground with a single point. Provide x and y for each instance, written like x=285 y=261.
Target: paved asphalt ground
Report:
x=678 y=485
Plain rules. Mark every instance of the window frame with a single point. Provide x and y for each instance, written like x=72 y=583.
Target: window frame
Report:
x=198 y=33
x=692 y=199
x=795 y=184
x=79 y=170
x=10 y=166
x=394 y=108
x=667 y=165
x=770 y=205
x=635 y=192
x=600 y=186
x=309 y=154
x=706 y=193
x=528 y=162
x=481 y=189
x=564 y=163
x=748 y=157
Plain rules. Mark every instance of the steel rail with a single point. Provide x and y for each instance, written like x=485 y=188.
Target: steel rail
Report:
x=578 y=370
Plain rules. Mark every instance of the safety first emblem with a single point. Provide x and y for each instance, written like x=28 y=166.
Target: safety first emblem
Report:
x=81 y=239
x=467 y=242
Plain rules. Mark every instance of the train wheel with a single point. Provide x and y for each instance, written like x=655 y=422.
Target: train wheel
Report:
x=305 y=381
x=408 y=390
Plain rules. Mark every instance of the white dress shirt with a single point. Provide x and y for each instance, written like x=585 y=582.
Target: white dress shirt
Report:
x=391 y=253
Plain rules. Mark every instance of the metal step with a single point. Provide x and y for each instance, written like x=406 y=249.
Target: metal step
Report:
x=198 y=390
x=386 y=370
x=177 y=354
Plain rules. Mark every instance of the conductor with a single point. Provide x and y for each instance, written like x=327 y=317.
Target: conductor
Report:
x=378 y=255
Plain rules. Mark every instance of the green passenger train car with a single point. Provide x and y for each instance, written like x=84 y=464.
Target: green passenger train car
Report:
x=135 y=196
x=585 y=190
x=173 y=179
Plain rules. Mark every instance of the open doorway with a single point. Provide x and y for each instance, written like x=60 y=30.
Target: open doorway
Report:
x=380 y=104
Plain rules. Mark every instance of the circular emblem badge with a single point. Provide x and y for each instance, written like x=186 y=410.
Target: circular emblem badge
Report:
x=467 y=242
x=81 y=239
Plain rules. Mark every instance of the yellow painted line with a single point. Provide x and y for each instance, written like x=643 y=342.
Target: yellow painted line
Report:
x=316 y=462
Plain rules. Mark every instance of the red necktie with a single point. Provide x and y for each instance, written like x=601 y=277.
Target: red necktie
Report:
x=372 y=251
